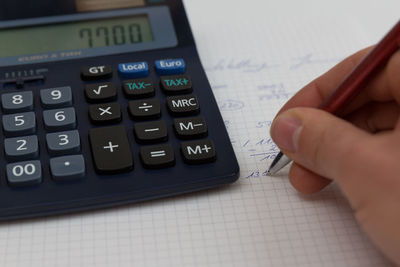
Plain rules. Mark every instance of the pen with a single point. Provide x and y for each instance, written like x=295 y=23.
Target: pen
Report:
x=353 y=84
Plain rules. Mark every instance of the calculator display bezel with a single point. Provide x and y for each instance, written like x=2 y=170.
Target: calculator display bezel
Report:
x=159 y=17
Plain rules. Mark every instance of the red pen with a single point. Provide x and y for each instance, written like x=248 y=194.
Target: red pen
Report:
x=354 y=83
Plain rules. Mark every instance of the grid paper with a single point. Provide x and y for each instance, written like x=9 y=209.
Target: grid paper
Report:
x=256 y=53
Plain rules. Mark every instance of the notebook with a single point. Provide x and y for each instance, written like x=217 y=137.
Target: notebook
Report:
x=257 y=54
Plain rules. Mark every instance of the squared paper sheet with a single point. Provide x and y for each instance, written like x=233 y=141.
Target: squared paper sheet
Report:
x=257 y=54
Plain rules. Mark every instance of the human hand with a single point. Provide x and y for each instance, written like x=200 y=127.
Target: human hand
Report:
x=360 y=150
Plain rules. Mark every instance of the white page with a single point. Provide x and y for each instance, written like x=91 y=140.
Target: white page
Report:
x=251 y=51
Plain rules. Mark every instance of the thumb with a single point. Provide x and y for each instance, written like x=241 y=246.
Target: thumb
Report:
x=320 y=141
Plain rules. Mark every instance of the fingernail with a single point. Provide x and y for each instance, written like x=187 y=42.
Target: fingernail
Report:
x=285 y=132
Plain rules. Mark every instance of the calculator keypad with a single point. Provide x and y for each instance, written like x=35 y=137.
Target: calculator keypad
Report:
x=24 y=173
x=17 y=102
x=21 y=148
x=59 y=119
x=56 y=97
x=19 y=124
x=62 y=143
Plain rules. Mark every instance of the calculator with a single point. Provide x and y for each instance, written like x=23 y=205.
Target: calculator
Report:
x=104 y=103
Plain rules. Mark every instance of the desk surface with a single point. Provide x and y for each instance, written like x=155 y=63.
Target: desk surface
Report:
x=257 y=54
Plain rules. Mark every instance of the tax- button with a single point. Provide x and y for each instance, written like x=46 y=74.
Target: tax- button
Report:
x=96 y=72
x=134 y=69
x=138 y=88
x=111 y=149
x=170 y=66
x=183 y=105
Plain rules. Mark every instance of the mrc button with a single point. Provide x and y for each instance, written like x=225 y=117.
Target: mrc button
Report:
x=183 y=105
x=96 y=72
x=170 y=66
x=176 y=84
x=134 y=69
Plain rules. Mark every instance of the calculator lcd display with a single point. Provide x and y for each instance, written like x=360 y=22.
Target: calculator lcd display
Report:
x=107 y=32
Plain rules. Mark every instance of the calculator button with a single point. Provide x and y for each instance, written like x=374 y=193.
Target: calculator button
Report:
x=197 y=152
x=19 y=124
x=21 y=148
x=17 y=102
x=96 y=72
x=151 y=132
x=145 y=109
x=63 y=142
x=100 y=92
x=187 y=128
x=176 y=84
x=59 y=119
x=134 y=69
x=111 y=149
x=105 y=113
x=170 y=66
x=67 y=167
x=138 y=88
x=183 y=105
x=56 y=97
x=155 y=157
x=24 y=173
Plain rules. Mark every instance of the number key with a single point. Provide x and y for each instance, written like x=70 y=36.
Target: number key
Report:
x=24 y=173
x=21 y=148
x=19 y=124
x=63 y=142
x=59 y=119
x=56 y=97
x=17 y=102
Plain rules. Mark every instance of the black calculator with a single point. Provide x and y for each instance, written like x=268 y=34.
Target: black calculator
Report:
x=104 y=103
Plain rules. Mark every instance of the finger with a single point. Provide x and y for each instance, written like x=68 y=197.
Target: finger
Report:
x=319 y=141
x=375 y=116
x=306 y=181
x=318 y=90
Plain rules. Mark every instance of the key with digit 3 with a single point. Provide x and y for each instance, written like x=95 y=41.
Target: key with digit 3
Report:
x=105 y=108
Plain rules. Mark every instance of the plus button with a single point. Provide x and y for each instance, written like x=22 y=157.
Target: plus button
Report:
x=110 y=147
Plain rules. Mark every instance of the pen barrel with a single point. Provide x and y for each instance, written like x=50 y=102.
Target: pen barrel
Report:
x=356 y=81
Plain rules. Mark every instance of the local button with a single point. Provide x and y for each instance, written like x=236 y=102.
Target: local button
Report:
x=134 y=69
x=170 y=66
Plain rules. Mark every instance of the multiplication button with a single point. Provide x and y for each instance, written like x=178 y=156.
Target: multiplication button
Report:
x=155 y=157
x=197 y=152
x=105 y=113
x=111 y=149
x=100 y=92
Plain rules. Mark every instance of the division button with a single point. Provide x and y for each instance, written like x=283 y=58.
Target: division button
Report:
x=100 y=92
x=110 y=149
x=59 y=119
x=21 y=148
x=183 y=105
x=67 y=167
x=170 y=66
x=134 y=69
x=56 y=97
x=151 y=132
x=198 y=152
x=188 y=128
x=178 y=84
x=17 y=102
x=156 y=157
x=63 y=142
x=138 y=88
x=105 y=113
x=96 y=72
x=24 y=173
x=145 y=109
x=19 y=124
